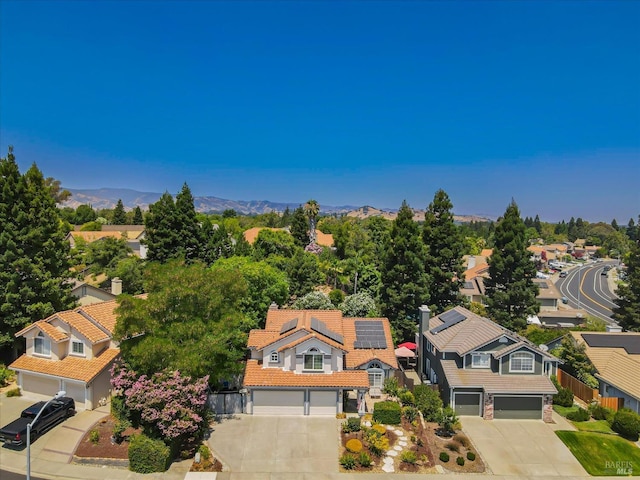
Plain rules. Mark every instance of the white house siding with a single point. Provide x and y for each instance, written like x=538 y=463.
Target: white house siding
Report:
x=323 y=402
x=278 y=402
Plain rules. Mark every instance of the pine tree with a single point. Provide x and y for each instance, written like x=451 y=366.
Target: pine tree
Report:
x=137 y=216
x=614 y=224
x=511 y=292
x=119 y=215
x=537 y=224
x=162 y=232
x=285 y=220
x=627 y=312
x=34 y=265
x=404 y=281
x=299 y=227
x=445 y=246
x=190 y=231
x=632 y=230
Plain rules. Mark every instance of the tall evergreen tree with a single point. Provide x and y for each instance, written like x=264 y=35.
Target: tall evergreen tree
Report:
x=285 y=220
x=137 y=216
x=537 y=224
x=614 y=224
x=190 y=231
x=404 y=281
x=299 y=227
x=627 y=312
x=632 y=230
x=511 y=292
x=119 y=215
x=162 y=231
x=445 y=246
x=34 y=264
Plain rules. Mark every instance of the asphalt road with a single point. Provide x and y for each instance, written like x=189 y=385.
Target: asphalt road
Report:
x=5 y=475
x=585 y=287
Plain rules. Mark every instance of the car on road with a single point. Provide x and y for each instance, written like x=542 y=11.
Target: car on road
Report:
x=563 y=274
x=605 y=270
x=565 y=300
x=15 y=433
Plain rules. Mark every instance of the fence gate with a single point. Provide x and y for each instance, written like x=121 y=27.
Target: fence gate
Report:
x=225 y=403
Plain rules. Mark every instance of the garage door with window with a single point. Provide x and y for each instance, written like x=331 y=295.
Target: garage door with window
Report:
x=467 y=403
x=278 y=402
x=323 y=402
x=517 y=407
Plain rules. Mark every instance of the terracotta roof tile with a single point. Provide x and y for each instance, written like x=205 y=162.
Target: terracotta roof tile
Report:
x=478 y=270
x=256 y=376
x=53 y=332
x=74 y=368
x=309 y=336
x=324 y=239
x=84 y=326
x=103 y=313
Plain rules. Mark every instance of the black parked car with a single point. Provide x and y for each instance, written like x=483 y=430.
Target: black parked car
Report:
x=15 y=433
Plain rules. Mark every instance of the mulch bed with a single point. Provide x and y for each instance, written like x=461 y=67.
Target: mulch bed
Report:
x=104 y=448
x=439 y=444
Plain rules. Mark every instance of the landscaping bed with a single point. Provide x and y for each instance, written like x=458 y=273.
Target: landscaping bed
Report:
x=102 y=447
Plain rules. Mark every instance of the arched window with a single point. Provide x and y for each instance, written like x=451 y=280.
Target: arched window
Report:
x=375 y=365
x=42 y=345
x=274 y=358
x=313 y=360
x=521 y=362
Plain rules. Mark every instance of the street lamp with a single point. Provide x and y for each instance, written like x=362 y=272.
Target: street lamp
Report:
x=61 y=393
x=579 y=282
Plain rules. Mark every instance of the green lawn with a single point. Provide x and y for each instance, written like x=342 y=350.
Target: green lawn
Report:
x=602 y=454
x=601 y=426
x=564 y=410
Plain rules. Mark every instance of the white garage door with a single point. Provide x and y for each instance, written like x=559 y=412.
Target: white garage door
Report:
x=323 y=403
x=40 y=385
x=75 y=391
x=278 y=402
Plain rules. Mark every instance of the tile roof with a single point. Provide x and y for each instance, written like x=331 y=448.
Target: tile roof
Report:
x=495 y=383
x=508 y=349
x=308 y=337
x=486 y=252
x=55 y=333
x=256 y=376
x=548 y=292
x=104 y=313
x=251 y=234
x=479 y=270
x=84 y=326
x=324 y=239
x=73 y=368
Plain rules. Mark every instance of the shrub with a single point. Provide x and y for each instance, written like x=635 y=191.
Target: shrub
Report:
x=428 y=401
x=460 y=461
x=336 y=296
x=447 y=419
x=627 y=423
x=351 y=425
x=119 y=428
x=453 y=446
x=409 y=456
x=364 y=459
x=390 y=386
x=462 y=439
x=471 y=456
x=119 y=410
x=410 y=413
x=407 y=398
x=379 y=429
x=147 y=455
x=94 y=436
x=389 y=413
x=6 y=375
x=348 y=461
x=564 y=397
x=341 y=415
x=205 y=453
x=14 y=392
x=598 y=412
x=580 y=415
x=444 y=457
x=378 y=444
x=354 y=445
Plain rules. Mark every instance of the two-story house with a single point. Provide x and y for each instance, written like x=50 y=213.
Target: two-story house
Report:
x=303 y=361
x=484 y=369
x=71 y=351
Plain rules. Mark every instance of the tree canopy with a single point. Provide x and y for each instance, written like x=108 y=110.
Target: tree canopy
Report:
x=627 y=311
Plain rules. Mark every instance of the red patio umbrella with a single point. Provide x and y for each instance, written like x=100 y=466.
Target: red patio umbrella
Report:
x=409 y=345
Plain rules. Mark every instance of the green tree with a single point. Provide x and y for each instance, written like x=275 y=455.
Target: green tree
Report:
x=445 y=247
x=84 y=214
x=190 y=231
x=34 y=256
x=303 y=270
x=137 y=216
x=265 y=285
x=627 y=311
x=273 y=242
x=119 y=215
x=190 y=321
x=105 y=253
x=59 y=194
x=217 y=242
x=130 y=270
x=404 y=281
x=576 y=361
x=162 y=231
x=511 y=292
x=299 y=227
x=312 y=209
x=359 y=305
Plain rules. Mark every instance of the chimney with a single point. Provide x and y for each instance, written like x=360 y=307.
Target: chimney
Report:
x=116 y=286
x=423 y=326
x=273 y=306
x=471 y=262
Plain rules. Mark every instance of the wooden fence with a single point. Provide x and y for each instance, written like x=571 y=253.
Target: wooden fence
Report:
x=614 y=403
x=582 y=391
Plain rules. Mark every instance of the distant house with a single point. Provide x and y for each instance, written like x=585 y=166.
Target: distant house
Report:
x=88 y=294
x=322 y=239
x=548 y=294
x=71 y=351
x=473 y=289
x=134 y=234
x=483 y=369
x=303 y=361
x=616 y=357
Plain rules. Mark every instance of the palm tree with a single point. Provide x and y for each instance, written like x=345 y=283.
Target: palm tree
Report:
x=311 y=209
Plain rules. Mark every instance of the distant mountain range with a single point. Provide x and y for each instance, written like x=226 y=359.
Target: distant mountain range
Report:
x=108 y=197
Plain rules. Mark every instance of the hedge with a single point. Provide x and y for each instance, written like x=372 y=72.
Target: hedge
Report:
x=627 y=423
x=147 y=455
x=389 y=413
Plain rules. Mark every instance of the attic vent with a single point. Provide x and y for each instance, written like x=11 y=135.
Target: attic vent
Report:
x=290 y=325
x=449 y=318
x=503 y=340
x=321 y=328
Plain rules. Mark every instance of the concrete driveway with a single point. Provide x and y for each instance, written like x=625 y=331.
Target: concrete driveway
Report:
x=277 y=444
x=524 y=448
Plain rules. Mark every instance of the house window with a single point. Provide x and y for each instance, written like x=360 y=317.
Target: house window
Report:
x=376 y=378
x=521 y=362
x=77 y=347
x=274 y=358
x=313 y=360
x=480 y=360
x=42 y=345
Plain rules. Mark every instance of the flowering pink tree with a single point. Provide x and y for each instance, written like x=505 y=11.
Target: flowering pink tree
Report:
x=168 y=404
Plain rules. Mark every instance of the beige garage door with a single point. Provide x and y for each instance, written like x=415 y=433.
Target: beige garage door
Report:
x=40 y=385
x=278 y=402
x=75 y=391
x=323 y=403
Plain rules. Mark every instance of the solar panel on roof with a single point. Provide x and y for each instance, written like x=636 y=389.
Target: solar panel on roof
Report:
x=290 y=325
x=631 y=343
x=321 y=327
x=468 y=285
x=449 y=318
x=370 y=334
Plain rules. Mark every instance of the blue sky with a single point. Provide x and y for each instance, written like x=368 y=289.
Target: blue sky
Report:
x=358 y=103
